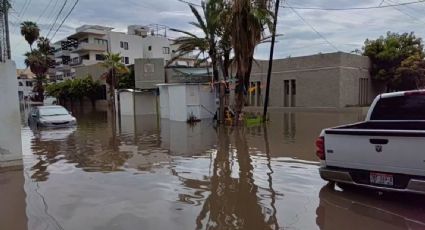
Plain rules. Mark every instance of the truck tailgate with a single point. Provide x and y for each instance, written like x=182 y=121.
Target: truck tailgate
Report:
x=376 y=150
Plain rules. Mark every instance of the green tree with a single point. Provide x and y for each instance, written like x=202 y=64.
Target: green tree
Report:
x=250 y=20
x=93 y=90
x=387 y=55
x=76 y=89
x=127 y=80
x=411 y=74
x=30 y=31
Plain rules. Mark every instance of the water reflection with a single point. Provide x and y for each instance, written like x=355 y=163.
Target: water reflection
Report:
x=364 y=209
x=234 y=201
x=155 y=174
x=12 y=200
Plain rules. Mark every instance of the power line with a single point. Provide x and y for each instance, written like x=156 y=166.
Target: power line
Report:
x=24 y=10
x=406 y=13
x=57 y=17
x=51 y=15
x=190 y=3
x=23 y=7
x=312 y=28
x=66 y=17
x=44 y=11
x=403 y=12
x=353 y=8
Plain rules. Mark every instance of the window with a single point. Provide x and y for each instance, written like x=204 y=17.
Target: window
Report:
x=286 y=87
x=100 y=57
x=75 y=60
x=100 y=41
x=150 y=48
x=400 y=108
x=28 y=83
x=125 y=60
x=124 y=45
x=293 y=87
x=166 y=50
x=20 y=84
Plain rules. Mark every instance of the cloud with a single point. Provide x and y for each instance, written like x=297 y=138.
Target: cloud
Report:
x=346 y=30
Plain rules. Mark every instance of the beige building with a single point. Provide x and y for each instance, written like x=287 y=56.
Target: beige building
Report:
x=333 y=80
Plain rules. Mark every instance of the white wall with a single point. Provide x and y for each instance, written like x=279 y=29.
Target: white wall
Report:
x=164 y=102
x=126 y=103
x=157 y=43
x=178 y=108
x=145 y=103
x=179 y=101
x=207 y=102
x=135 y=45
x=26 y=90
x=10 y=125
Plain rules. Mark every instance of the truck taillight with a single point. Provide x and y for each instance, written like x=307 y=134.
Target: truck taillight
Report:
x=320 y=148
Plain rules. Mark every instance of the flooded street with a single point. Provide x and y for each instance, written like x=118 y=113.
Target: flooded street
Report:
x=146 y=173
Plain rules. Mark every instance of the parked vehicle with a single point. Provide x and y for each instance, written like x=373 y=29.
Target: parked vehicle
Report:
x=49 y=100
x=51 y=116
x=386 y=152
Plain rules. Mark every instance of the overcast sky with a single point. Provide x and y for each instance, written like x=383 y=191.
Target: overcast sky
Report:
x=345 y=30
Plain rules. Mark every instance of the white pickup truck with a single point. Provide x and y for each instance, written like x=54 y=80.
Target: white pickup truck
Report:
x=385 y=152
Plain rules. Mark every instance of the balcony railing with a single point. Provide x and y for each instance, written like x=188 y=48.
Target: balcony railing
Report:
x=84 y=47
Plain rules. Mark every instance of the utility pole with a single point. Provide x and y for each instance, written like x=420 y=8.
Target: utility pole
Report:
x=6 y=27
x=269 y=72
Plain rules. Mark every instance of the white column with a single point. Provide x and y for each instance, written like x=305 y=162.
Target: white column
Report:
x=10 y=124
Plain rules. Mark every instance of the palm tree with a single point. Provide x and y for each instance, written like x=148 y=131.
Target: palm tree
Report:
x=209 y=24
x=115 y=67
x=30 y=31
x=37 y=60
x=249 y=22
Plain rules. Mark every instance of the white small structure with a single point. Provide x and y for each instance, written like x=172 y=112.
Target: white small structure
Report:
x=180 y=101
x=136 y=103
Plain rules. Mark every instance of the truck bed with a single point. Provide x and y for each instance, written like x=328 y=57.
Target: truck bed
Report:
x=388 y=125
x=389 y=147
x=373 y=128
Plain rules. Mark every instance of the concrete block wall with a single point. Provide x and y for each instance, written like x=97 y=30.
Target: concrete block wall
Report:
x=149 y=72
x=322 y=80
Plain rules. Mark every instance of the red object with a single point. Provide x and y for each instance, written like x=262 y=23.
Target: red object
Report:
x=320 y=148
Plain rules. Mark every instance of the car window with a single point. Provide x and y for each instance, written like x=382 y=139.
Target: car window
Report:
x=55 y=111
x=400 y=108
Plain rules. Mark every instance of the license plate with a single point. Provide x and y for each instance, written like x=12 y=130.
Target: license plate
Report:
x=382 y=179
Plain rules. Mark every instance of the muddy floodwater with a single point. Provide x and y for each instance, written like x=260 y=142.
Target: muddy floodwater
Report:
x=147 y=173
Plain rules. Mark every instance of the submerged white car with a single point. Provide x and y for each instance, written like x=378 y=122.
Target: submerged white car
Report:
x=51 y=116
